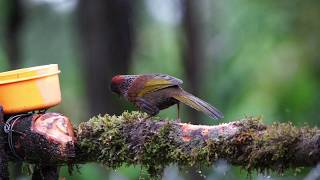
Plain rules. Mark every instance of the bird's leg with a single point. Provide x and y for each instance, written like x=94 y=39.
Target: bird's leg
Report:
x=178 y=113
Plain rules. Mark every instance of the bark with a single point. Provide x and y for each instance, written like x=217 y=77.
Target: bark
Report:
x=4 y=173
x=129 y=139
x=106 y=38
x=45 y=173
x=43 y=139
x=46 y=140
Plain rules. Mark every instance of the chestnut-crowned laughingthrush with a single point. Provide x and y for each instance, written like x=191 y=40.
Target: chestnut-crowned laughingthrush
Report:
x=154 y=92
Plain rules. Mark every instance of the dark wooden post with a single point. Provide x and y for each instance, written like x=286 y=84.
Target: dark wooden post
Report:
x=4 y=173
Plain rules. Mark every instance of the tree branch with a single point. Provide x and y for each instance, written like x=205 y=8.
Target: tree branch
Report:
x=155 y=144
x=128 y=139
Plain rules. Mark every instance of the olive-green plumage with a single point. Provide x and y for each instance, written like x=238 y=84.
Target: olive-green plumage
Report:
x=154 y=92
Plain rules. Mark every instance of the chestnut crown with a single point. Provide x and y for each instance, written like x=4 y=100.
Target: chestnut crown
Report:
x=116 y=84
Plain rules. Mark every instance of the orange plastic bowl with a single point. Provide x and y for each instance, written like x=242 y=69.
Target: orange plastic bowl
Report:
x=30 y=89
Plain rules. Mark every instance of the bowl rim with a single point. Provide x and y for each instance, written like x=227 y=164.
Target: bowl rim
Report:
x=21 y=71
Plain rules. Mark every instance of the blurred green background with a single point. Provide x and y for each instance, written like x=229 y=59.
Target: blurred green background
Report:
x=247 y=58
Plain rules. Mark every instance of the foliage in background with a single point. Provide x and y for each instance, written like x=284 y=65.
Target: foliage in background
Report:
x=261 y=58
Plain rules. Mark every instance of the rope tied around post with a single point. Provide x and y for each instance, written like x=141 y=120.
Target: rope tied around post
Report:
x=8 y=128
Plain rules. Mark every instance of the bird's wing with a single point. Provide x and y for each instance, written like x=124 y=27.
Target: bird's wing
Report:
x=154 y=82
x=146 y=106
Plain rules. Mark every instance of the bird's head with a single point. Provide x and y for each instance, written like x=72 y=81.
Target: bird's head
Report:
x=116 y=84
x=121 y=83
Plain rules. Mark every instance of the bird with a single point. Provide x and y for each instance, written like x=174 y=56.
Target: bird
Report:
x=154 y=92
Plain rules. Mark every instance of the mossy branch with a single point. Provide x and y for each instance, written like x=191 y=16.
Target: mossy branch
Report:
x=48 y=140
x=128 y=139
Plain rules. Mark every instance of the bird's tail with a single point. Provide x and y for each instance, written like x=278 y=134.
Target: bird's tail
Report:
x=198 y=104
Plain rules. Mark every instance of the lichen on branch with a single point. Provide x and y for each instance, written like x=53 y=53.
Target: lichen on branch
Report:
x=130 y=139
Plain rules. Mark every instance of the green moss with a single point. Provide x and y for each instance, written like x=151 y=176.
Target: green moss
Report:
x=155 y=156
x=106 y=139
x=113 y=142
x=196 y=153
x=103 y=137
x=273 y=149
